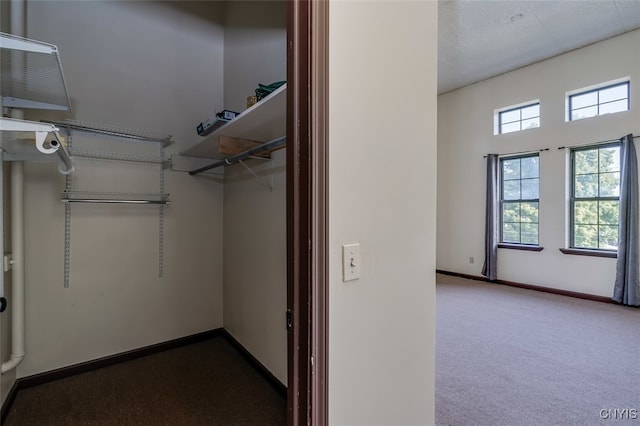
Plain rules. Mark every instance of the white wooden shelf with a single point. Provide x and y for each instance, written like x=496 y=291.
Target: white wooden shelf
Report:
x=263 y=122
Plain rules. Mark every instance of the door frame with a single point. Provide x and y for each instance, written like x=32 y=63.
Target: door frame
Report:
x=307 y=190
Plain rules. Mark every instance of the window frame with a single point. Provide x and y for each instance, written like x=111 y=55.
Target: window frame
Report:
x=597 y=90
x=572 y=199
x=510 y=244
x=519 y=108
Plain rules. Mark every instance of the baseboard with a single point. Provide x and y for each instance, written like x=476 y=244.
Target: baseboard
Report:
x=530 y=287
x=264 y=372
x=72 y=370
x=8 y=402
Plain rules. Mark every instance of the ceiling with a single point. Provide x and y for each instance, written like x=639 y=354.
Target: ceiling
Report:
x=479 y=39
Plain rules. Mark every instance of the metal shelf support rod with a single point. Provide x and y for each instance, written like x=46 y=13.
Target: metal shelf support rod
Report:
x=242 y=156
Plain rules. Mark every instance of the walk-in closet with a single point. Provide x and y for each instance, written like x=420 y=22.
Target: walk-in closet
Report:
x=137 y=230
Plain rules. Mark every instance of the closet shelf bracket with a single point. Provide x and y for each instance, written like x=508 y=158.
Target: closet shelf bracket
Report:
x=268 y=185
x=45 y=137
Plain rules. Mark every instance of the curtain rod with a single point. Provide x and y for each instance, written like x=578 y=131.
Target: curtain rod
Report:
x=594 y=143
x=518 y=153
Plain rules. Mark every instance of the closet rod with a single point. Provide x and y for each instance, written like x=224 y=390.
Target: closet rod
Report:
x=242 y=156
x=95 y=200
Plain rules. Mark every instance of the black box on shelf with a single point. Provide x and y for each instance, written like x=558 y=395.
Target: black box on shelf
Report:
x=212 y=123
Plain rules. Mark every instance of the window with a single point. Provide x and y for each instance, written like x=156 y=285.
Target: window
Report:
x=520 y=118
x=519 y=199
x=599 y=101
x=595 y=197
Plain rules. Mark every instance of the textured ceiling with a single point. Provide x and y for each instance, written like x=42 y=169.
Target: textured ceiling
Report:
x=479 y=39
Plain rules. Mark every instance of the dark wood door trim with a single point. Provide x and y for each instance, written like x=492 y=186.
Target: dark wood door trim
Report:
x=298 y=212
x=306 y=211
x=319 y=208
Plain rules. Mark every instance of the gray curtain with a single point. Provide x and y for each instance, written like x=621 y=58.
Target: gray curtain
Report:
x=490 y=267
x=627 y=287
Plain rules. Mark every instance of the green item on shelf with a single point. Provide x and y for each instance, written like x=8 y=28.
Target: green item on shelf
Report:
x=265 y=90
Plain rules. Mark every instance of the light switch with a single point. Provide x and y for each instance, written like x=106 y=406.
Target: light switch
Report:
x=350 y=262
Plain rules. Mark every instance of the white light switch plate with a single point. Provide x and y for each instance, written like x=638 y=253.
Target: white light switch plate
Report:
x=350 y=262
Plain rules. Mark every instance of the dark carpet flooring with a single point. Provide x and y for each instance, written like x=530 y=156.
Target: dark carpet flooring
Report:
x=509 y=356
x=205 y=383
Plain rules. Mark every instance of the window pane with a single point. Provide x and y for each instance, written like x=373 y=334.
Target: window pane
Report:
x=530 y=189
x=511 y=169
x=608 y=237
x=596 y=222
x=578 y=114
x=611 y=107
x=530 y=233
x=511 y=212
x=586 y=161
x=609 y=184
x=610 y=159
x=585 y=212
x=510 y=127
x=586 y=186
x=511 y=190
x=510 y=116
x=581 y=101
x=529 y=212
x=608 y=213
x=511 y=233
x=614 y=93
x=530 y=167
x=531 y=123
x=531 y=112
x=586 y=236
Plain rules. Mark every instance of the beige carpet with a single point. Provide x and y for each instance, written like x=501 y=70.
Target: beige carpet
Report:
x=509 y=356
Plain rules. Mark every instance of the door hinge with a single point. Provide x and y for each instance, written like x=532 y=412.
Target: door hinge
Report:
x=289 y=320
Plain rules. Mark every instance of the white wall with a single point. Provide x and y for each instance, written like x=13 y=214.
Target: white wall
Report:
x=382 y=194
x=141 y=65
x=465 y=134
x=255 y=263
x=255 y=51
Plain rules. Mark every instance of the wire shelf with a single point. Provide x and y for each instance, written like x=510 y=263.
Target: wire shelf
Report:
x=31 y=75
x=118 y=132
x=117 y=156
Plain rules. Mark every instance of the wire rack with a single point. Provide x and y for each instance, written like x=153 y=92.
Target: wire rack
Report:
x=118 y=132
x=31 y=74
x=117 y=156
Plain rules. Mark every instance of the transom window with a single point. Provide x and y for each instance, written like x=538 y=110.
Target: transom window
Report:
x=600 y=101
x=521 y=118
x=519 y=199
x=595 y=197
